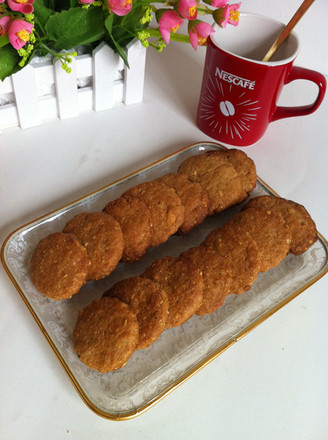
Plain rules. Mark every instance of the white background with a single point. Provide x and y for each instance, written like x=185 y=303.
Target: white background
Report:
x=272 y=384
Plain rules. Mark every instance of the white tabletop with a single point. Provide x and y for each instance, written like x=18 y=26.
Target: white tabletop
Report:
x=273 y=383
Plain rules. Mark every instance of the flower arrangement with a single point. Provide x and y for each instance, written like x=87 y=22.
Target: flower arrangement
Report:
x=30 y=27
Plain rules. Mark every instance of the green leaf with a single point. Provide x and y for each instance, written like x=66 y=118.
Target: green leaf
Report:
x=109 y=23
x=112 y=42
x=9 y=60
x=122 y=29
x=4 y=40
x=75 y=27
x=41 y=11
x=126 y=27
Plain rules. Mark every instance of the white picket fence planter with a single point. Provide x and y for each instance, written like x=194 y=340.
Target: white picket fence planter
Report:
x=97 y=81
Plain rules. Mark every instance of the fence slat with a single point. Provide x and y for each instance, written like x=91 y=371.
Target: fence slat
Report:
x=6 y=86
x=103 y=77
x=26 y=97
x=66 y=90
x=134 y=76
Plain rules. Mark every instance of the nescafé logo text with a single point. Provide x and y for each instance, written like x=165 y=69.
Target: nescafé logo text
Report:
x=233 y=79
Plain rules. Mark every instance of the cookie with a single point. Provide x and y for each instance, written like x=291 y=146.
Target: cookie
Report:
x=106 y=334
x=183 y=284
x=245 y=168
x=148 y=301
x=224 y=187
x=59 y=265
x=269 y=231
x=135 y=221
x=240 y=253
x=216 y=277
x=101 y=234
x=199 y=164
x=302 y=227
x=165 y=208
x=217 y=176
x=194 y=199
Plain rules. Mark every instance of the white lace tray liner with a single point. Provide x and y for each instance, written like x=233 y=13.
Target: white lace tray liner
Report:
x=178 y=353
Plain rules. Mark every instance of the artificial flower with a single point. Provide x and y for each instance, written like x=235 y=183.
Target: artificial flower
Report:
x=187 y=9
x=4 y=25
x=198 y=33
x=218 y=3
x=169 y=21
x=120 y=7
x=23 y=6
x=19 y=33
x=33 y=31
x=230 y=15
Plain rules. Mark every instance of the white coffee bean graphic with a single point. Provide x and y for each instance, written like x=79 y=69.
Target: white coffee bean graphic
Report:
x=227 y=108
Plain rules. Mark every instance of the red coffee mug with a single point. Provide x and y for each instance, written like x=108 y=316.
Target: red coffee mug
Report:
x=239 y=92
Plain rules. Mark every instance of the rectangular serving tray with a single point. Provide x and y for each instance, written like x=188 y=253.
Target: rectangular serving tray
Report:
x=152 y=373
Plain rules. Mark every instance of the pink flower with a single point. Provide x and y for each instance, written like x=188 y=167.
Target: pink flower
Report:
x=187 y=8
x=24 y=6
x=120 y=7
x=218 y=3
x=4 y=25
x=169 y=21
x=86 y=2
x=199 y=33
x=230 y=15
x=19 y=33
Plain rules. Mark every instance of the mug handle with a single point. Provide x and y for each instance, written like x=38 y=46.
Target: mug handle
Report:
x=307 y=74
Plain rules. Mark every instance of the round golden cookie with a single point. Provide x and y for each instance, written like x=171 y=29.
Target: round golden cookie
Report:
x=224 y=187
x=106 y=334
x=183 y=284
x=101 y=234
x=59 y=265
x=245 y=168
x=165 y=208
x=302 y=228
x=148 y=301
x=240 y=252
x=135 y=221
x=199 y=164
x=269 y=231
x=194 y=199
x=217 y=176
x=216 y=277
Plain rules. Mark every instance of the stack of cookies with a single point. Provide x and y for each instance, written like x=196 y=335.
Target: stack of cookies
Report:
x=146 y=215
x=134 y=312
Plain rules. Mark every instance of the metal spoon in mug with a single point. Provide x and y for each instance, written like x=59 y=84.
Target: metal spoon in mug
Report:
x=287 y=29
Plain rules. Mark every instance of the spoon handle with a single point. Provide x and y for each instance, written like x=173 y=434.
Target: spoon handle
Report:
x=288 y=28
